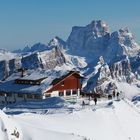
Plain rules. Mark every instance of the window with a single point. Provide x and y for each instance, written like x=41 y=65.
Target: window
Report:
x=29 y=96
x=36 y=96
x=47 y=95
x=20 y=95
x=9 y=95
x=68 y=93
x=61 y=94
x=74 y=92
x=1 y=94
x=37 y=83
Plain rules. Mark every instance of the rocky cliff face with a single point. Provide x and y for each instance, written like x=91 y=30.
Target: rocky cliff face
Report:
x=45 y=60
x=95 y=40
x=121 y=44
x=52 y=58
x=89 y=40
x=103 y=81
x=57 y=42
x=40 y=60
x=3 y=70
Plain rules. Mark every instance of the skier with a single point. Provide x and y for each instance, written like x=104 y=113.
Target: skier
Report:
x=118 y=95
x=95 y=100
x=109 y=97
x=114 y=93
x=83 y=104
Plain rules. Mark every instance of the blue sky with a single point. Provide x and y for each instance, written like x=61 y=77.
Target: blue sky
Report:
x=25 y=22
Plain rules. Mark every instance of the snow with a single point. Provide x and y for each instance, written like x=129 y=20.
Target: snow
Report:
x=9 y=129
x=75 y=61
x=109 y=120
x=10 y=86
x=6 y=55
x=35 y=75
x=40 y=106
x=130 y=90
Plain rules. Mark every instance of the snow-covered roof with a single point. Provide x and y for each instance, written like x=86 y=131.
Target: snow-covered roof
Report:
x=33 y=76
x=10 y=86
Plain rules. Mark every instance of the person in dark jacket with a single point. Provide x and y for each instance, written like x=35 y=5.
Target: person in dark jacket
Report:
x=114 y=93
x=118 y=95
x=83 y=104
x=95 y=100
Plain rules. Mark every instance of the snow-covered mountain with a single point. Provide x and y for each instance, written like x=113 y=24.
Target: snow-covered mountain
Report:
x=104 y=58
x=121 y=44
x=57 y=42
x=46 y=60
x=40 y=47
x=95 y=40
x=89 y=40
x=105 y=77
x=119 y=50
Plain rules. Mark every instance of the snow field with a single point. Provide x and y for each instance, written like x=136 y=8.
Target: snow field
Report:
x=117 y=121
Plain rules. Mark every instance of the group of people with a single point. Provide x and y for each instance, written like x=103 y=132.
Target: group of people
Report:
x=95 y=101
x=114 y=94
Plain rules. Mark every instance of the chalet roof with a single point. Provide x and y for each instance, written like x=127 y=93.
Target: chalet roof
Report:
x=9 y=86
x=33 y=77
x=57 y=80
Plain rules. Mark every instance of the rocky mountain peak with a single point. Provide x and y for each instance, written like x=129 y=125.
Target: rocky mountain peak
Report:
x=39 y=47
x=122 y=43
x=56 y=41
x=90 y=39
x=26 y=49
x=99 y=27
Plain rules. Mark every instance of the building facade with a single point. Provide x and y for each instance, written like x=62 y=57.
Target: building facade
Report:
x=68 y=85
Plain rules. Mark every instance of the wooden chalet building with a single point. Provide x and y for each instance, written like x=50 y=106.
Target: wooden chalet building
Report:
x=67 y=85
x=34 y=87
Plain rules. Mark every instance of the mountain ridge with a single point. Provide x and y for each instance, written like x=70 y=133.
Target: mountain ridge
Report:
x=104 y=58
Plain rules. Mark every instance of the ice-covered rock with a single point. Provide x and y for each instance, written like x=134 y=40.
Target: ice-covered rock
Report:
x=121 y=44
x=89 y=40
x=57 y=42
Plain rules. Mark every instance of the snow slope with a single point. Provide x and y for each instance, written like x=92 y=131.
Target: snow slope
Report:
x=10 y=130
x=6 y=55
x=109 y=120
